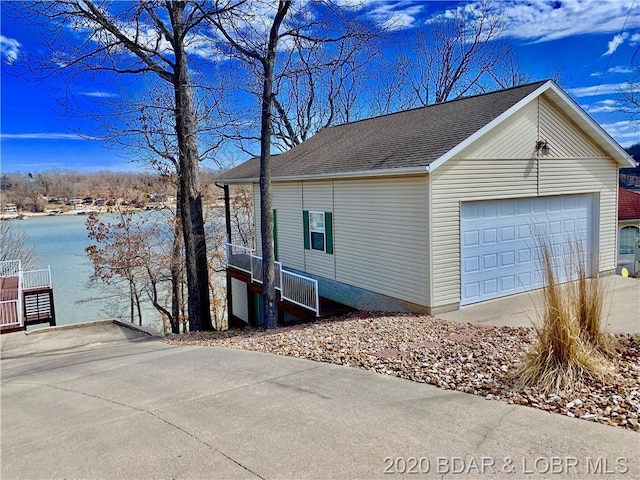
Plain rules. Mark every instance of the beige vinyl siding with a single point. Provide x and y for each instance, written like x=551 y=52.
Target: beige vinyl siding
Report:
x=597 y=175
x=317 y=197
x=239 y=299
x=515 y=138
x=564 y=137
x=381 y=237
x=465 y=180
x=287 y=200
x=577 y=165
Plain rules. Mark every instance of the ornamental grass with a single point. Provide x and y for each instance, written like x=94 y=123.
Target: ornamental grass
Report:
x=571 y=345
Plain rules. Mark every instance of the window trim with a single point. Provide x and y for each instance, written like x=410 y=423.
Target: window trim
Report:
x=324 y=231
x=328 y=238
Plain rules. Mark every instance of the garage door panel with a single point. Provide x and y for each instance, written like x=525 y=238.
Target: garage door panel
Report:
x=500 y=252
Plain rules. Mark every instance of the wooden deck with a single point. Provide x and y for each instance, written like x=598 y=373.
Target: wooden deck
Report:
x=18 y=311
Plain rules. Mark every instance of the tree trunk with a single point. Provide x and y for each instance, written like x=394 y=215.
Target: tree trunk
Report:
x=190 y=198
x=266 y=204
x=176 y=278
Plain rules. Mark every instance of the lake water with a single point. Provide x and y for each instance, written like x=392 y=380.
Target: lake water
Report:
x=60 y=242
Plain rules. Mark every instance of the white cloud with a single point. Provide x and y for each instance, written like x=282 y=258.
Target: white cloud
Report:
x=44 y=136
x=622 y=130
x=634 y=40
x=615 y=42
x=544 y=20
x=620 y=69
x=604 y=89
x=98 y=94
x=396 y=16
x=9 y=49
x=603 y=106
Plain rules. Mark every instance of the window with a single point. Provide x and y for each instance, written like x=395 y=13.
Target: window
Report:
x=318 y=234
x=626 y=243
x=316 y=229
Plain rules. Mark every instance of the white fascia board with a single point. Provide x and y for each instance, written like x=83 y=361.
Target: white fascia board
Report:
x=492 y=124
x=388 y=172
x=624 y=159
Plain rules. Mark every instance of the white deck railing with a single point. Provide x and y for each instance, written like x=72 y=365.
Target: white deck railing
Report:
x=11 y=301
x=295 y=288
x=32 y=279
x=300 y=290
x=10 y=268
x=239 y=257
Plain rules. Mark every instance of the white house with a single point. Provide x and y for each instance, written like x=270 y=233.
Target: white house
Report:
x=438 y=207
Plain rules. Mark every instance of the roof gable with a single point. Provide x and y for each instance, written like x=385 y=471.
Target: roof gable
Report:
x=412 y=141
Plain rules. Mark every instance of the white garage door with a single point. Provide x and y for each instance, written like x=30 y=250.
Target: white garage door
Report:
x=500 y=255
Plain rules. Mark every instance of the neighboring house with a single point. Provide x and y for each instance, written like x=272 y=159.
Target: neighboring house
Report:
x=628 y=226
x=438 y=207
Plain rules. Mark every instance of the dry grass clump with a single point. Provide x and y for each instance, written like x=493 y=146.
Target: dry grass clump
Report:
x=588 y=296
x=570 y=342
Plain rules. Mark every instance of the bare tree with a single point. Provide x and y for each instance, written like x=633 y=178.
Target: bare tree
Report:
x=323 y=82
x=118 y=255
x=14 y=246
x=258 y=48
x=458 y=54
x=149 y=38
x=630 y=101
x=284 y=49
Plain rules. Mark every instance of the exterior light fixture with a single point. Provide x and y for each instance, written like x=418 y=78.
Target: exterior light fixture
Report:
x=543 y=147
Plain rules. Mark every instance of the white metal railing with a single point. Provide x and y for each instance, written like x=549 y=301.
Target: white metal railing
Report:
x=295 y=288
x=11 y=300
x=257 y=274
x=10 y=313
x=300 y=290
x=10 y=268
x=239 y=257
x=256 y=269
x=36 y=278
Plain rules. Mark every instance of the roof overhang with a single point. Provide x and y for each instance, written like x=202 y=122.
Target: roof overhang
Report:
x=389 y=172
x=569 y=107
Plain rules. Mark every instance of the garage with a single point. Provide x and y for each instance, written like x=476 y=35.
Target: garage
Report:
x=499 y=242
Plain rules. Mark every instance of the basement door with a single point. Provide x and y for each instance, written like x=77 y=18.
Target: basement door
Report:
x=500 y=252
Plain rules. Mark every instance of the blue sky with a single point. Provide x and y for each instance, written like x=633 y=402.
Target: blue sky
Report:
x=593 y=45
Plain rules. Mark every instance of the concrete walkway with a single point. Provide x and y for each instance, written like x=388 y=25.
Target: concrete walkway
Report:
x=103 y=401
x=622 y=308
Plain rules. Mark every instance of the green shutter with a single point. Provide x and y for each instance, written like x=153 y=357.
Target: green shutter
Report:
x=328 y=228
x=305 y=227
x=275 y=234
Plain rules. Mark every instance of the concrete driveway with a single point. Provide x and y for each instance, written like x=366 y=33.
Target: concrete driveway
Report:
x=103 y=401
x=622 y=308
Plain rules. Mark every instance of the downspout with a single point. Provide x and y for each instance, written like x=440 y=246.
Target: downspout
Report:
x=227 y=219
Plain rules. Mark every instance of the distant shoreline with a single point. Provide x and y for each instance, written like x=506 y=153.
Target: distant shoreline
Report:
x=57 y=212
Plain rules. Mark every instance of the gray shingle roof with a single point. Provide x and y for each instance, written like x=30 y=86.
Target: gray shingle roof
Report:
x=412 y=138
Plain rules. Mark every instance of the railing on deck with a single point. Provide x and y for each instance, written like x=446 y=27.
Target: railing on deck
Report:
x=256 y=271
x=13 y=282
x=300 y=290
x=32 y=279
x=10 y=268
x=10 y=293
x=295 y=288
x=239 y=257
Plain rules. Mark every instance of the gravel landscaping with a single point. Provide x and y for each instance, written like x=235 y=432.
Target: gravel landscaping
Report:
x=475 y=359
